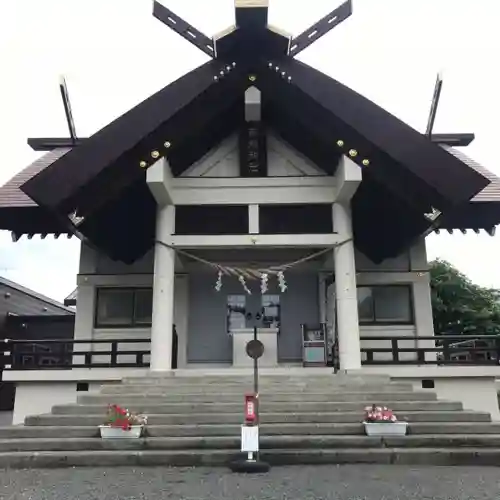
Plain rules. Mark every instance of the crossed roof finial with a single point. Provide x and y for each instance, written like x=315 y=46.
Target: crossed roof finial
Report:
x=251 y=16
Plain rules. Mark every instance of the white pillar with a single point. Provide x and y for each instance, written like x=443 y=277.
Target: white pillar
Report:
x=345 y=291
x=163 y=293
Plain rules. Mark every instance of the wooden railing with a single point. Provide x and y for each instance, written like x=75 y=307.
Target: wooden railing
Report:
x=437 y=350
x=134 y=353
x=68 y=354
x=65 y=354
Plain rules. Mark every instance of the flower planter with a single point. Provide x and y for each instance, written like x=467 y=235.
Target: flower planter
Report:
x=108 y=432
x=386 y=428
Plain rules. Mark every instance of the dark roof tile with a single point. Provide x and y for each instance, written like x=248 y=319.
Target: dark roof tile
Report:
x=11 y=194
x=492 y=191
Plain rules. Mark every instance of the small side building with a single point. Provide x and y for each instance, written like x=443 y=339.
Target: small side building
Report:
x=29 y=316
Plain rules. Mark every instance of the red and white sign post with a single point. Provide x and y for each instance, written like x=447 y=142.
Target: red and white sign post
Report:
x=250 y=427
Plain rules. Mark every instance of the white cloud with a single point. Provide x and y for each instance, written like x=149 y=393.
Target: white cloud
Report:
x=115 y=54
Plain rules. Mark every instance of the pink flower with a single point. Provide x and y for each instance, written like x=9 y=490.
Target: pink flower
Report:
x=379 y=414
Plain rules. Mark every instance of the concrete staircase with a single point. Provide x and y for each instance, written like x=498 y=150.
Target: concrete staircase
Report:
x=305 y=419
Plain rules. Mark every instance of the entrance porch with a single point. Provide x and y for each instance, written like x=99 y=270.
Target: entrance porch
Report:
x=219 y=305
x=221 y=322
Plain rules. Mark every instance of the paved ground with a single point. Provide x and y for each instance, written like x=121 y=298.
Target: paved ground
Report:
x=283 y=483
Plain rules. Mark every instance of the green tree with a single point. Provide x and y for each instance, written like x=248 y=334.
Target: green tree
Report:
x=461 y=307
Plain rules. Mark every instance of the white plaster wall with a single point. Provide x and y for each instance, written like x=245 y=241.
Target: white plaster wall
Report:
x=409 y=268
x=96 y=271
x=479 y=394
x=282 y=160
x=388 y=331
x=86 y=303
x=474 y=386
x=36 y=398
x=181 y=312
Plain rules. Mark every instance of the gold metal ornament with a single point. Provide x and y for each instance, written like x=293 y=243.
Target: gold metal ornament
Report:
x=366 y=162
x=353 y=153
x=252 y=78
x=155 y=154
x=340 y=143
x=143 y=164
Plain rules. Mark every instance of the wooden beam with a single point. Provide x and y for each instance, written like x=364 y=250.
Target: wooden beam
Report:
x=255 y=241
x=251 y=14
x=67 y=109
x=434 y=105
x=184 y=29
x=453 y=139
x=321 y=28
x=267 y=190
x=50 y=143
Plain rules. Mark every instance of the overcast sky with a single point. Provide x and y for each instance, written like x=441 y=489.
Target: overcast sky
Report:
x=114 y=54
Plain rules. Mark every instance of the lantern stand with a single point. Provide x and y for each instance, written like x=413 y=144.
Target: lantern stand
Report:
x=250 y=429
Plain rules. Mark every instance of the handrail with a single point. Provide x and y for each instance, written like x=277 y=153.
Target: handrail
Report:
x=440 y=350
x=66 y=354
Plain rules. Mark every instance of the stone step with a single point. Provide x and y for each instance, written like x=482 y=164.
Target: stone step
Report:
x=185 y=443
x=232 y=378
x=191 y=458
x=272 y=407
x=236 y=418
x=307 y=442
x=163 y=398
x=272 y=384
x=235 y=389
x=207 y=430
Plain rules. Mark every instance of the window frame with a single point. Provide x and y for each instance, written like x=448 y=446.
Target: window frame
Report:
x=277 y=306
x=133 y=321
x=230 y=310
x=375 y=322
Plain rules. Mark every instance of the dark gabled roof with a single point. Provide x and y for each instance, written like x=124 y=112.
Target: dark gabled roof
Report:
x=110 y=160
x=405 y=174
x=400 y=157
x=11 y=194
x=55 y=306
x=491 y=193
x=18 y=212
x=483 y=211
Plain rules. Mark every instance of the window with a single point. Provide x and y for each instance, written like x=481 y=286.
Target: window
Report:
x=211 y=219
x=236 y=309
x=296 y=219
x=271 y=311
x=125 y=307
x=389 y=304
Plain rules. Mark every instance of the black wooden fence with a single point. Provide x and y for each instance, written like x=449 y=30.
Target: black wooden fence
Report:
x=134 y=353
x=62 y=354
x=433 y=350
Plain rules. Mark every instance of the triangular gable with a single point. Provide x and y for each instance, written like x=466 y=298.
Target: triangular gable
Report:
x=282 y=160
x=221 y=161
x=285 y=161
